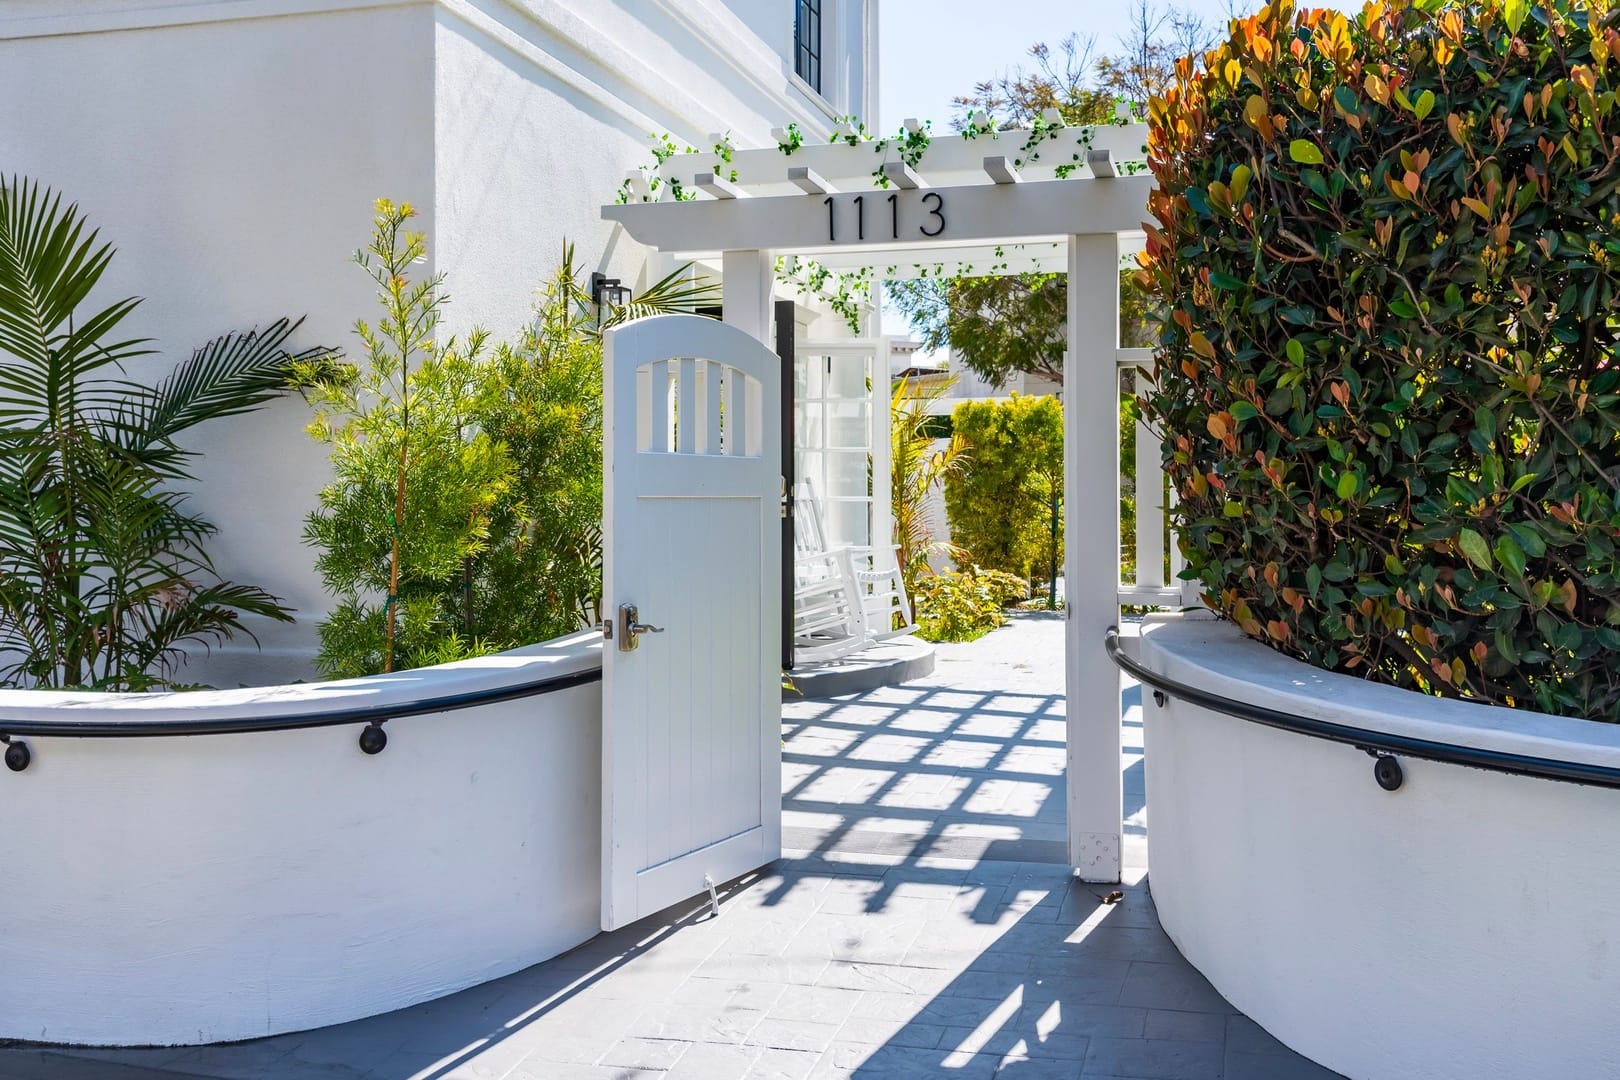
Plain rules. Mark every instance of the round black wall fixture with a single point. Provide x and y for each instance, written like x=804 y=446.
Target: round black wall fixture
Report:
x=373 y=739
x=17 y=756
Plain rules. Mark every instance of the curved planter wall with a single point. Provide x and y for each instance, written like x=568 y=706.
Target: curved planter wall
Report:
x=1463 y=926
x=206 y=888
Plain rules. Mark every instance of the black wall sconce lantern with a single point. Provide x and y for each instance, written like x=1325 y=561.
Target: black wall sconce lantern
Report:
x=607 y=293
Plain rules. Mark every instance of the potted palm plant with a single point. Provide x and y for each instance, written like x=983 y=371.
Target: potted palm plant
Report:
x=104 y=577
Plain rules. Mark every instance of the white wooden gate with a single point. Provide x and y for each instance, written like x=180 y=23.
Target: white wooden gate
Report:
x=691 y=694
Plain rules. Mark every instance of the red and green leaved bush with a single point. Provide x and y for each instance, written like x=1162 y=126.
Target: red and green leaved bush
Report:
x=1389 y=382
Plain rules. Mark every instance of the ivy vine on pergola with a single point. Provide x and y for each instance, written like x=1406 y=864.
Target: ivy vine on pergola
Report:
x=1047 y=199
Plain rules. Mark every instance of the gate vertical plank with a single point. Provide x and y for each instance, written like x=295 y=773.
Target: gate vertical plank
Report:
x=1091 y=507
x=688 y=425
x=711 y=375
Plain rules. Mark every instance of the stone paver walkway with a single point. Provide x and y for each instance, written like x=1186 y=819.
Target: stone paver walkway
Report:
x=921 y=924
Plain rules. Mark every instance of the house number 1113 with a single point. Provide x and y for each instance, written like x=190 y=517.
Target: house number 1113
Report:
x=887 y=217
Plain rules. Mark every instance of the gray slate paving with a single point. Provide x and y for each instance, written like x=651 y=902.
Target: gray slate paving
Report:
x=922 y=923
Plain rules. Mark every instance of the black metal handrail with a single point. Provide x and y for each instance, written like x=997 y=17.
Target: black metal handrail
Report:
x=1382 y=745
x=372 y=739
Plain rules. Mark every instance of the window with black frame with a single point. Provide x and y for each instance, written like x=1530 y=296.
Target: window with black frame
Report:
x=807 y=42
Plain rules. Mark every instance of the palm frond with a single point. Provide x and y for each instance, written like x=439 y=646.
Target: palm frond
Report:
x=681 y=290
x=48 y=266
x=230 y=375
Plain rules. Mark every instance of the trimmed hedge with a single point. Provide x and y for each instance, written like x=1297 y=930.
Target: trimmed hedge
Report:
x=999 y=501
x=1389 y=248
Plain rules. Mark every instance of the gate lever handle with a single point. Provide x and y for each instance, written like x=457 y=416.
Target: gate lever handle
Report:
x=630 y=629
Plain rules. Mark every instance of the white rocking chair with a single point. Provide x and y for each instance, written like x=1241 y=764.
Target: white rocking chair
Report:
x=843 y=598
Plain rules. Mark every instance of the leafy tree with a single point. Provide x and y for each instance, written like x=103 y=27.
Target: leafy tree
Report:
x=414 y=479
x=1063 y=79
x=104 y=579
x=1000 y=503
x=1000 y=326
x=465 y=514
x=1129 y=412
x=542 y=574
x=1145 y=65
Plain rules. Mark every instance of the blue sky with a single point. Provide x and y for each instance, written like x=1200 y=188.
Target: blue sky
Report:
x=930 y=51
x=933 y=50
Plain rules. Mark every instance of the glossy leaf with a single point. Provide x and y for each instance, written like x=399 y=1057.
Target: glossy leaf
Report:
x=1474 y=548
x=1305 y=152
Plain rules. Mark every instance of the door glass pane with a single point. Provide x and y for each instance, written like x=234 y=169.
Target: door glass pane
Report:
x=847 y=425
x=846 y=475
x=847 y=522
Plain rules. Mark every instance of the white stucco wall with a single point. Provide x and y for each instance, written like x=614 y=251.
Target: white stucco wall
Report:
x=232 y=163
x=217 y=887
x=1459 y=928
x=232 y=150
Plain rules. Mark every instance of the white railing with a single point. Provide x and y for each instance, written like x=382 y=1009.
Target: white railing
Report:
x=1151 y=586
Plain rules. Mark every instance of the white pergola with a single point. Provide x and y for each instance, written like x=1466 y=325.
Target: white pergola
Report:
x=989 y=204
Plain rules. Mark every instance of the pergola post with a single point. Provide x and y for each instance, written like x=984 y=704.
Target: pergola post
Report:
x=1091 y=510
x=745 y=291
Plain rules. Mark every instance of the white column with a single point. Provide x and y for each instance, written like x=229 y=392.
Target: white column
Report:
x=746 y=278
x=1091 y=510
x=882 y=456
x=1149 y=505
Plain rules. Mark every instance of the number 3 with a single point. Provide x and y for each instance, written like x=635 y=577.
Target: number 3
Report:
x=937 y=212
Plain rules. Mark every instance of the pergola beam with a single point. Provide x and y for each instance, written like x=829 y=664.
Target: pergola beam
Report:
x=874 y=221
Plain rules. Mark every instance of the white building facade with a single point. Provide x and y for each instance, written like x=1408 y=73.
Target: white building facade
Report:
x=232 y=149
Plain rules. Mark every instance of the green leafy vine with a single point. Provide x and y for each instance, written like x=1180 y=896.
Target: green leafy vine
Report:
x=722 y=154
x=652 y=178
x=848 y=294
x=788 y=139
x=849 y=131
x=912 y=143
